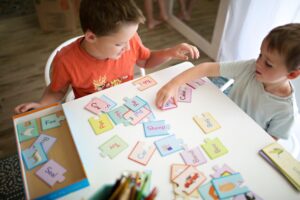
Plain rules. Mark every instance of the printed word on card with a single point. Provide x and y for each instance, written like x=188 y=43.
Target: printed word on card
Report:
x=142 y=152
x=134 y=103
x=168 y=145
x=51 y=121
x=155 y=128
x=137 y=116
x=193 y=157
x=214 y=148
x=206 y=122
x=27 y=130
x=144 y=82
x=97 y=106
x=109 y=102
x=51 y=173
x=184 y=94
x=101 y=124
x=34 y=156
x=196 y=83
x=112 y=147
x=46 y=141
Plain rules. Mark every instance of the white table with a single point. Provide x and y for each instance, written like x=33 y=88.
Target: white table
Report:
x=239 y=133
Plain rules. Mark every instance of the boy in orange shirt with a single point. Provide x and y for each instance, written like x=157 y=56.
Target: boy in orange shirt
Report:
x=105 y=56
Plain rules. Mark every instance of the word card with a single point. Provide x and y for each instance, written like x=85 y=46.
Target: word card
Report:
x=142 y=153
x=168 y=145
x=109 y=102
x=155 y=128
x=206 y=122
x=246 y=196
x=27 y=130
x=189 y=180
x=136 y=117
x=225 y=170
x=193 y=157
x=116 y=115
x=46 y=141
x=229 y=186
x=34 y=156
x=51 y=172
x=51 y=121
x=169 y=104
x=134 y=103
x=184 y=94
x=97 y=106
x=113 y=147
x=214 y=148
x=196 y=83
x=144 y=83
x=101 y=124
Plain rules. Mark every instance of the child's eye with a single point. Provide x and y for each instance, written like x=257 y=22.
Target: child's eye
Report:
x=268 y=64
x=118 y=45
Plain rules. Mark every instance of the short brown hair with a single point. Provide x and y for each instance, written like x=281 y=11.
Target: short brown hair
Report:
x=286 y=41
x=103 y=17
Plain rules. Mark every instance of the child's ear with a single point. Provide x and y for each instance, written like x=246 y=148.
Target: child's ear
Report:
x=294 y=74
x=89 y=36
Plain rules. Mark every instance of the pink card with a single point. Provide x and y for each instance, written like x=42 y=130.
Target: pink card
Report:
x=97 y=105
x=142 y=153
x=184 y=94
x=169 y=104
x=196 y=83
x=51 y=172
x=136 y=117
x=222 y=171
x=193 y=157
x=144 y=83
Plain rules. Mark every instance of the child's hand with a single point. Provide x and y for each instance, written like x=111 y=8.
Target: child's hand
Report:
x=165 y=93
x=184 y=51
x=26 y=107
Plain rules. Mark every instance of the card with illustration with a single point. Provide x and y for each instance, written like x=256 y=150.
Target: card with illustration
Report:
x=142 y=152
x=34 y=156
x=101 y=123
x=189 y=180
x=229 y=186
x=51 y=173
x=135 y=103
x=214 y=148
x=97 y=106
x=156 y=128
x=144 y=83
x=168 y=145
x=109 y=102
x=225 y=170
x=51 y=121
x=184 y=94
x=170 y=104
x=246 y=196
x=27 y=130
x=46 y=141
x=137 y=116
x=196 y=83
x=193 y=157
x=116 y=115
x=206 y=122
x=207 y=192
x=113 y=146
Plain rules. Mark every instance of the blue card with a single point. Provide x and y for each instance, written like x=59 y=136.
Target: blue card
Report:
x=168 y=145
x=110 y=103
x=51 y=121
x=155 y=128
x=207 y=192
x=34 y=156
x=116 y=115
x=46 y=141
x=135 y=103
x=27 y=130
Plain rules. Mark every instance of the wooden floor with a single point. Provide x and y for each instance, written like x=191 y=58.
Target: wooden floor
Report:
x=23 y=54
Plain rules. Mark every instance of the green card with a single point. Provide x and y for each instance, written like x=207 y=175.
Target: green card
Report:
x=113 y=146
x=214 y=148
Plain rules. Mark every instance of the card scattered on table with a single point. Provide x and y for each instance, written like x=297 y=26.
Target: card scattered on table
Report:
x=101 y=124
x=112 y=147
x=46 y=141
x=116 y=115
x=168 y=145
x=156 y=128
x=170 y=104
x=193 y=157
x=137 y=116
x=142 y=152
x=214 y=148
x=34 y=156
x=145 y=82
x=206 y=122
x=97 y=106
x=27 y=130
x=134 y=103
x=184 y=94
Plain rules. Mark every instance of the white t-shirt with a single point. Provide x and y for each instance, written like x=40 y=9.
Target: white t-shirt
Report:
x=274 y=114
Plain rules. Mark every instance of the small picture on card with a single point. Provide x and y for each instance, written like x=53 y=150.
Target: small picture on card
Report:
x=101 y=124
x=27 y=130
x=34 y=156
x=156 y=128
x=214 y=148
x=144 y=83
x=168 y=145
x=142 y=153
x=170 y=104
x=46 y=141
x=184 y=94
x=51 y=121
x=193 y=157
x=206 y=122
x=113 y=147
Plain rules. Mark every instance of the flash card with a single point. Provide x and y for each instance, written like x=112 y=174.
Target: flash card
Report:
x=113 y=147
x=109 y=102
x=101 y=124
x=142 y=153
x=144 y=82
x=51 y=172
x=136 y=117
x=189 y=180
x=51 y=121
x=134 y=103
x=27 y=130
x=246 y=196
x=214 y=148
x=207 y=192
x=46 y=141
x=169 y=104
x=225 y=170
x=168 y=145
x=116 y=115
x=184 y=94
x=34 y=156
x=229 y=186
x=97 y=106
x=155 y=128
x=196 y=83
x=206 y=122
x=193 y=157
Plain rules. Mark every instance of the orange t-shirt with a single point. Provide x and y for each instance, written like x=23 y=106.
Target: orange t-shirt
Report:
x=86 y=74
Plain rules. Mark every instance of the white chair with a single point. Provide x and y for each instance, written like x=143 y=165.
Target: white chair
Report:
x=70 y=96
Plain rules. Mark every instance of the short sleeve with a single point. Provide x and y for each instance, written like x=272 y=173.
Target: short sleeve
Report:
x=143 y=53
x=60 y=78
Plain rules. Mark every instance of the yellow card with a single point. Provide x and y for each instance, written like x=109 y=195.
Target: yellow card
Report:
x=101 y=124
x=206 y=122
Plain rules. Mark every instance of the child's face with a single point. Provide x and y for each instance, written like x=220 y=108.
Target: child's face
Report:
x=270 y=67
x=114 y=45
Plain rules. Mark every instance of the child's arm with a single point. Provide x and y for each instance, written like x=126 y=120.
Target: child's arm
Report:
x=181 y=51
x=48 y=97
x=170 y=89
